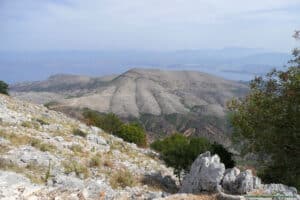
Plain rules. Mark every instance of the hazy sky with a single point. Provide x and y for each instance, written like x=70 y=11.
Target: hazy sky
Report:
x=147 y=24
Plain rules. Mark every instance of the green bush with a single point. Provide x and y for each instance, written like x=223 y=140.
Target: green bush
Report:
x=3 y=88
x=180 y=152
x=133 y=133
x=108 y=122
x=111 y=123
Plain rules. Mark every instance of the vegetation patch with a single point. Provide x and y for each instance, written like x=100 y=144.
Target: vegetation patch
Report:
x=76 y=148
x=95 y=161
x=122 y=179
x=3 y=88
x=42 y=146
x=42 y=121
x=76 y=167
x=267 y=121
x=79 y=132
x=34 y=172
x=111 y=123
x=15 y=139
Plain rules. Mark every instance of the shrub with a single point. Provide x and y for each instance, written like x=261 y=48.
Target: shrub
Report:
x=3 y=88
x=79 y=132
x=108 y=122
x=133 y=133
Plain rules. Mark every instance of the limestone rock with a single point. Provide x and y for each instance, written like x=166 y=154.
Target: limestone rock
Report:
x=236 y=182
x=245 y=182
x=205 y=175
x=228 y=182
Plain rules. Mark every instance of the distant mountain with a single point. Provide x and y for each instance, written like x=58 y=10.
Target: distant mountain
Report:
x=163 y=101
x=19 y=67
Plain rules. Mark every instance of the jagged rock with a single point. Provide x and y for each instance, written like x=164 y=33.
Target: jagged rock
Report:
x=205 y=175
x=96 y=139
x=236 y=182
x=245 y=182
x=228 y=182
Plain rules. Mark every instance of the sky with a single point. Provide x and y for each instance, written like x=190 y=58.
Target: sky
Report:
x=161 y=25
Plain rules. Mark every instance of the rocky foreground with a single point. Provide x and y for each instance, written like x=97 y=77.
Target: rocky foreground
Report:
x=46 y=155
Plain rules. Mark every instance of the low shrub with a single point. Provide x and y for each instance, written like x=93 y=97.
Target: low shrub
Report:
x=122 y=179
x=133 y=133
x=77 y=168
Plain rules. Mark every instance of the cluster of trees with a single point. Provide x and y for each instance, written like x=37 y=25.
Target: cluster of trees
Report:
x=180 y=152
x=3 y=88
x=268 y=121
x=111 y=123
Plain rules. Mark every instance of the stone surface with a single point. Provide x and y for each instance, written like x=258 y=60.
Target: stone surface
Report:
x=205 y=175
x=228 y=182
x=25 y=172
x=236 y=182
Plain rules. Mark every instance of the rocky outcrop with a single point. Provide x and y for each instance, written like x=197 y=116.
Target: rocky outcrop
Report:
x=236 y=182
x=208 y=174
x=205 y=175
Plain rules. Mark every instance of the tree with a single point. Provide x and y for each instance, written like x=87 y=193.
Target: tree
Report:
x=268 y=120
x=173 y=151
x=3 y=88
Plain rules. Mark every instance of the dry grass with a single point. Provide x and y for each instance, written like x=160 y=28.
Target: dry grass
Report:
x=42 y=146
x=95 y=161
x=34 y=172
x=122 y=179
x=76 y=167
x=16 y=140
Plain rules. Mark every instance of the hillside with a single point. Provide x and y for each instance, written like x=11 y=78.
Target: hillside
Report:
x=42 y=158
x=164 y=101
